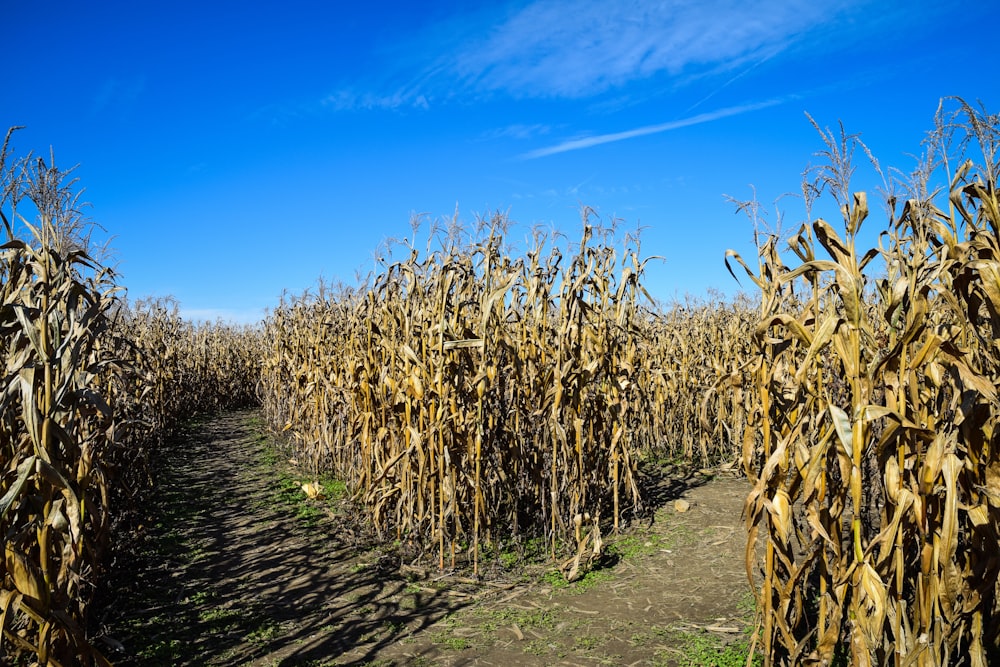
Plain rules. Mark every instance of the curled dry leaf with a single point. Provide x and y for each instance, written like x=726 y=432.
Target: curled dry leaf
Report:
x=313 y=490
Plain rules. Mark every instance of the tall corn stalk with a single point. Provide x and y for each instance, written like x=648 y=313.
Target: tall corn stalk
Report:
x=469 y=396
x=872 y=450
x=88 y=387
x=56 y=431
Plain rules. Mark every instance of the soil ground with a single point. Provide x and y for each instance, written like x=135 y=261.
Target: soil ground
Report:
x=235 y=566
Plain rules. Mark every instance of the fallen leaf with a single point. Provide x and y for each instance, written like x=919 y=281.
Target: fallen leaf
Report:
x=312 y=490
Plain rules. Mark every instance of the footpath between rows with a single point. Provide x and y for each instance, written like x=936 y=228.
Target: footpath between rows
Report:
x=238 y=566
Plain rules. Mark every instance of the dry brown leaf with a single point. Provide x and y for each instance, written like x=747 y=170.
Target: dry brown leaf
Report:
x=313 y=490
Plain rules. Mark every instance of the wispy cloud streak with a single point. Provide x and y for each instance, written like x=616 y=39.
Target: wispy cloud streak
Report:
x=575 y=49
x=597 y=140
x=578 y=48
x=518 y=131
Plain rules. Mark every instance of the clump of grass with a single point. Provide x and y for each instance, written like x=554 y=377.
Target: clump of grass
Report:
x=700 y=648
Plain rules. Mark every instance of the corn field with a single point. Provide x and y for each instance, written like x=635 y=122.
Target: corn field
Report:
x=872 y=445
x=697 y=391
x=472 y=396
x=467 y=395
x=90 y=386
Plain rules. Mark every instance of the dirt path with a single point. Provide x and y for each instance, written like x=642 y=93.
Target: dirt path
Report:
x=238 y=568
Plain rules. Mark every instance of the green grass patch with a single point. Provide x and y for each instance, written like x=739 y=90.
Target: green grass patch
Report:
x=587 y=642
x=264 y=634
x=163 y=652
x=591 y=578
x=634 y=546
x=522 y=618
x=218 y=615
x=699 y=648
x=457 y=643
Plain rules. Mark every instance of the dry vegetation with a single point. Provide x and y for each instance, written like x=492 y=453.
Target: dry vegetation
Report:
x=468 y=395
x=872 y=446
x=474 y=397
x=89 y=386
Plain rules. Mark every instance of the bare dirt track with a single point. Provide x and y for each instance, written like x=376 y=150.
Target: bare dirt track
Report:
x=236 y=567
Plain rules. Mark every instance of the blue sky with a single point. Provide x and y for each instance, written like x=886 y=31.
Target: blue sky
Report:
x=238 y=149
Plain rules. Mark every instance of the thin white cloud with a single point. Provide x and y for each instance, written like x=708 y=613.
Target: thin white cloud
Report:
x=574 y=49
x=351 y=100
x=517 y=131
x=597 y=140
x=598 y=52
x=578 y=48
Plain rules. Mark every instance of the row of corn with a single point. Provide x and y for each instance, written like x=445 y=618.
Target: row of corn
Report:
x=467 y=396
x=873 y=444
x=89 y=385
x=473 y=394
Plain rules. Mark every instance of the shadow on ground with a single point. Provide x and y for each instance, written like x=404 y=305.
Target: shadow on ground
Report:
x=232 y=570
x=234 y=567
x=660 y=484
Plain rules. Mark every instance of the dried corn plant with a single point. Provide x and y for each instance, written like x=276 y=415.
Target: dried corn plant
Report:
x=179 y=369
x=88 y=389
x=55 y=430
x=468 y=395
x=872 y=447
x=693 y=356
